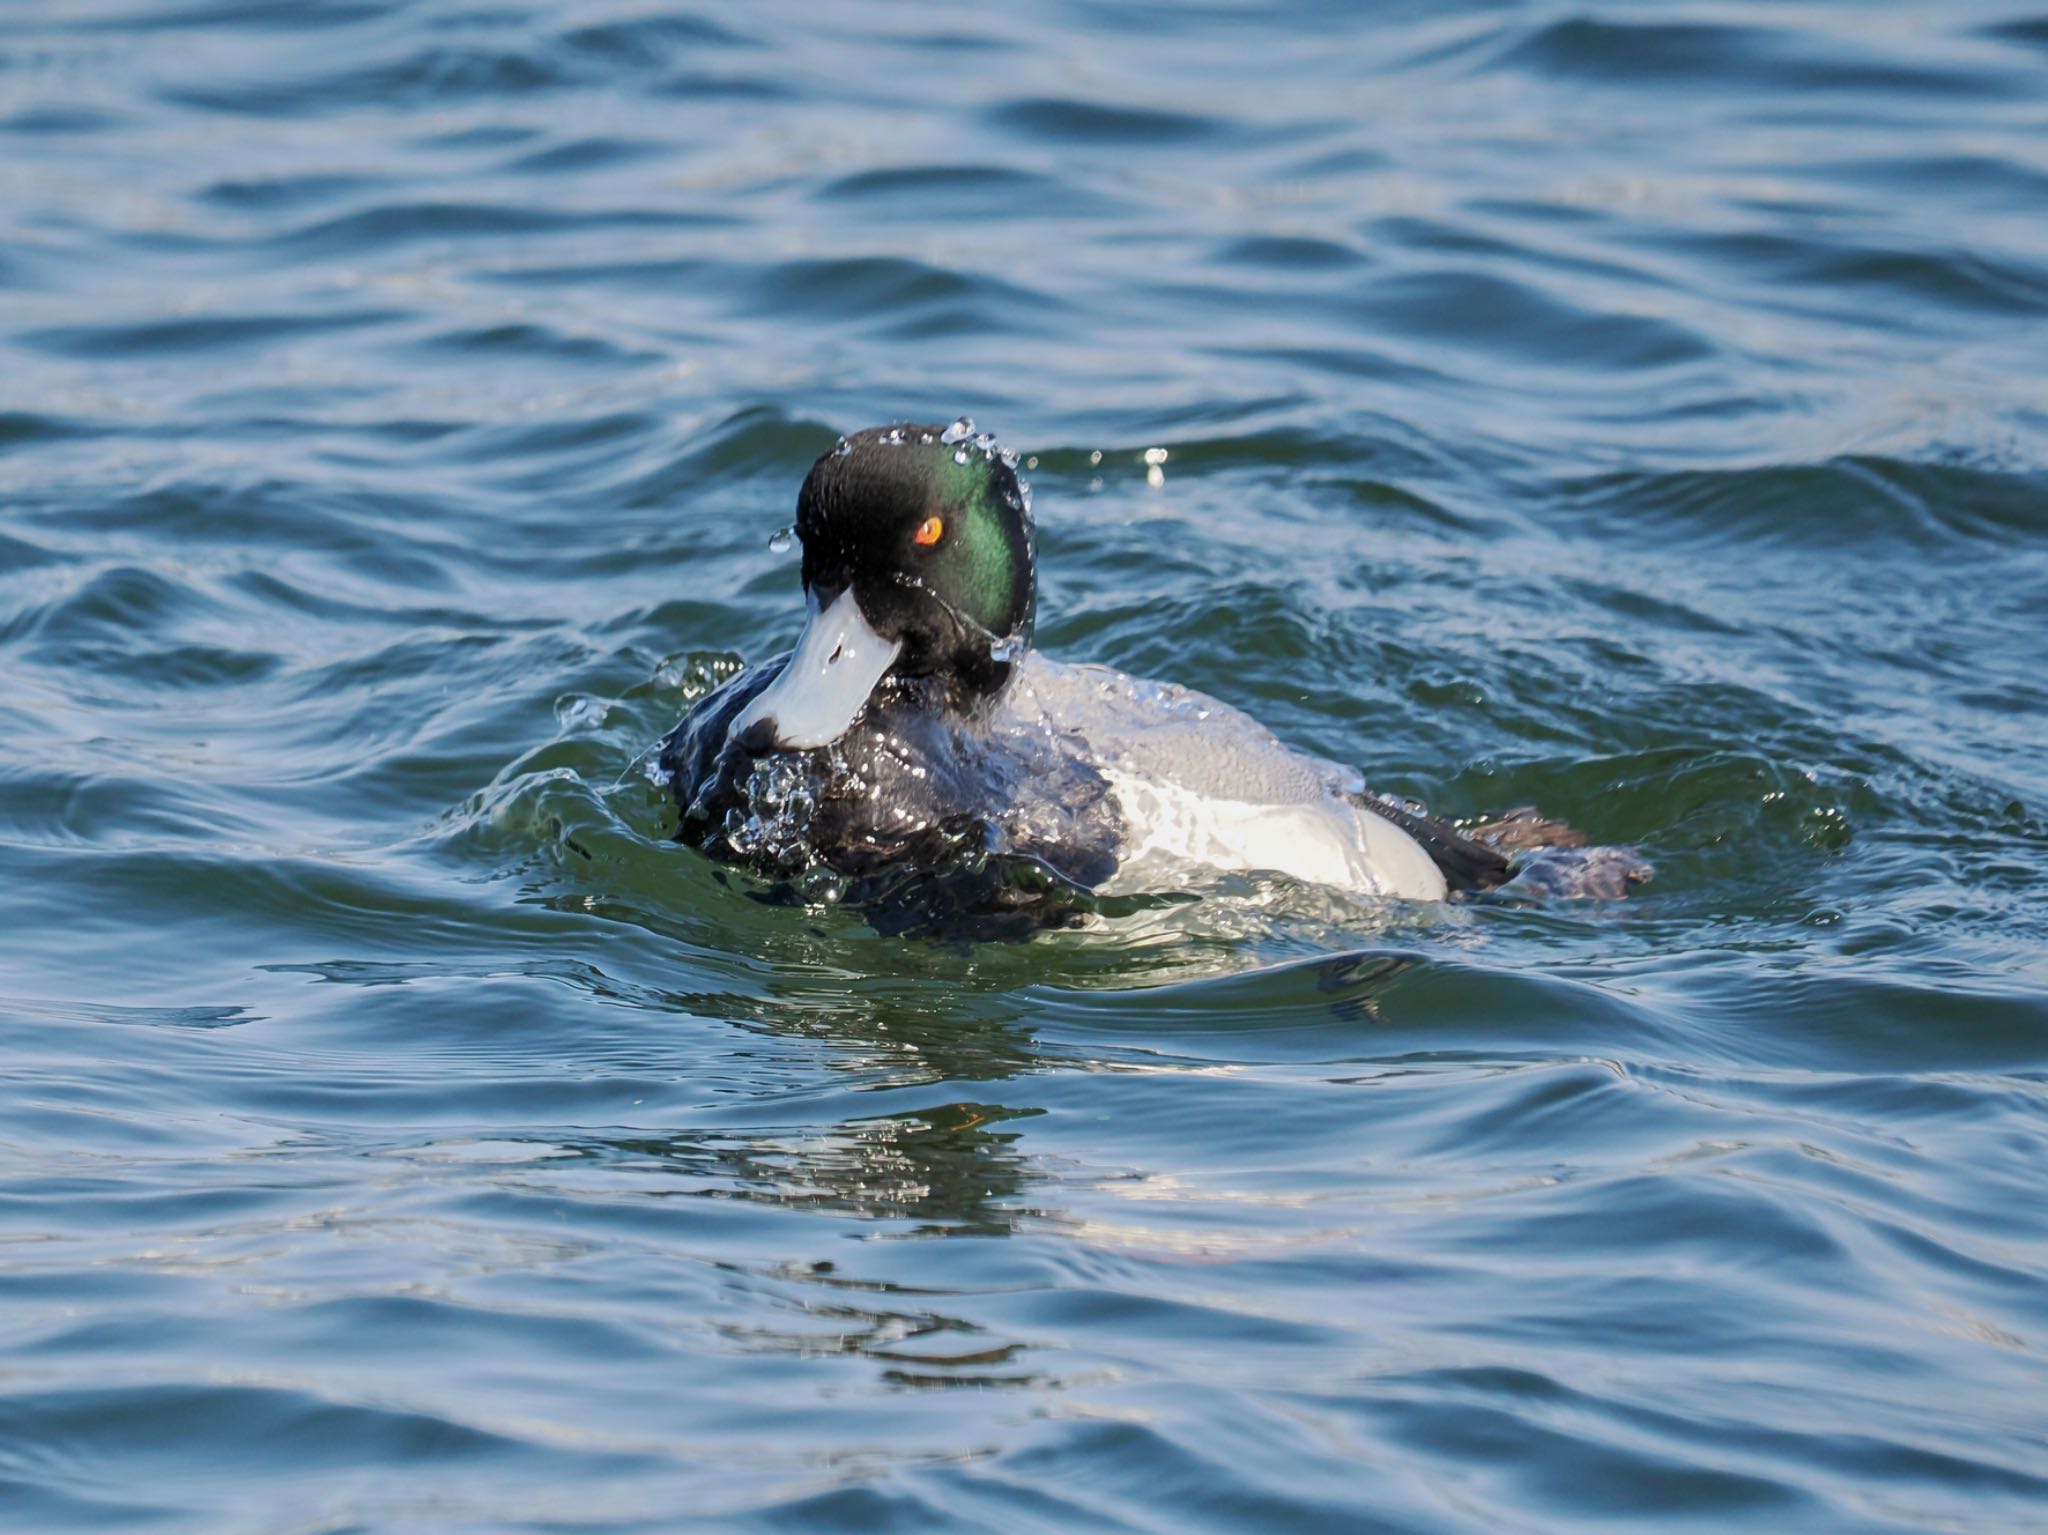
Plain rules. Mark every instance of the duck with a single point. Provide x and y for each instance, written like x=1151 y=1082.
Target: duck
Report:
x=915 y=755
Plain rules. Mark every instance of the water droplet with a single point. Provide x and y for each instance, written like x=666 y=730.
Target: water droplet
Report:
x=1154 y=476
x=959 y=455
x=959 y=431
x=842 y=448
x=1031 y=462
x=1095 y=457
x=1009 y=458
x=780 y=540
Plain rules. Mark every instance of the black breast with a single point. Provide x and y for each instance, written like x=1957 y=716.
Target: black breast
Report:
x=933 y=823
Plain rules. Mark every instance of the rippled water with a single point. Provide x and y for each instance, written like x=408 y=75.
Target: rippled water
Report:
x=1634 y=410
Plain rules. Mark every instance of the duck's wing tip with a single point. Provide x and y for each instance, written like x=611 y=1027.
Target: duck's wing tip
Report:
x=1552 y=861
x=1518 y=854
x=1577 y=874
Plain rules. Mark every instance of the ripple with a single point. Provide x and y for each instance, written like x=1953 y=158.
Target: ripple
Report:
x=648 y=41
x=423 y=77
x=1862 y=507
x=578 y=155
x=533 y=340
x=262 y=193
x=1513 y=319
x=397 y=224
x=1061 y=119
x=1294 y=254
x=889 y=294
x=1626 y=54
x=210 y=333
x=23 y=427
x=993 y=189
x=1963 y=280
x=234 y=15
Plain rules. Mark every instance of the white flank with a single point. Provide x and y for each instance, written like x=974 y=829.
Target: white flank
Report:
x=1170 y=828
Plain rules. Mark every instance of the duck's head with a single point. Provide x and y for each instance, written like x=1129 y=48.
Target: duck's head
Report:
x=918 y=563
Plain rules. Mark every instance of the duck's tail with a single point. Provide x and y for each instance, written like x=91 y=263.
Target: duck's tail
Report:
x=1518 y=852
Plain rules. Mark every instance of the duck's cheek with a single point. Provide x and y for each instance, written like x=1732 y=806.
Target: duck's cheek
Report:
x=824 y=685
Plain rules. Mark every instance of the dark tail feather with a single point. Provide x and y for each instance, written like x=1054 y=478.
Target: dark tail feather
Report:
x=1469 y=865
x=1509 y=846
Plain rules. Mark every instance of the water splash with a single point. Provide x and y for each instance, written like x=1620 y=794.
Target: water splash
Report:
x=770 y=825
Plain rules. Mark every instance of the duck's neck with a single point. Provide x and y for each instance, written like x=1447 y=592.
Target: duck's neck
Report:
x=970 y=691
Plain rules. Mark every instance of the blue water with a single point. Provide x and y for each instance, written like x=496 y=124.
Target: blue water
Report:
x=1635 y=410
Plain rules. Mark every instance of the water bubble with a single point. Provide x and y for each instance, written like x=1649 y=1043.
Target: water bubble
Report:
x=780 y=540
x=574 y=709
x=959 y=431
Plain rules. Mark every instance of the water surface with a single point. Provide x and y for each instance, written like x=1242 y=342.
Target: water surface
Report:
x=1633 y=410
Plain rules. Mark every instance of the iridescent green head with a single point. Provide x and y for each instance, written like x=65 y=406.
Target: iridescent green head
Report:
x=930 y=527
x=918 y=562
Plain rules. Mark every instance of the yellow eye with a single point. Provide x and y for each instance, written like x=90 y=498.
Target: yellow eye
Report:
x=930 y=531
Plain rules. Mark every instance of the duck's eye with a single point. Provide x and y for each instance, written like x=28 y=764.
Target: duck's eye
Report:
x=930 y=531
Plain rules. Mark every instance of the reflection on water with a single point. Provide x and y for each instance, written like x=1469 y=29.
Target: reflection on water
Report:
x=946 y=1168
